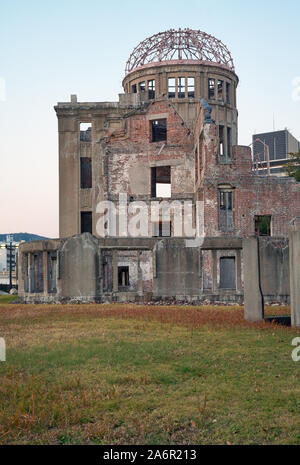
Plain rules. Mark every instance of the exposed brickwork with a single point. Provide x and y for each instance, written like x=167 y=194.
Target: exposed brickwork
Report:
x=252 y=194
x=131 y=153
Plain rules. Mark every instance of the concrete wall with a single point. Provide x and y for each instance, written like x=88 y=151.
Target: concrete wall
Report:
x=177 y=270
x=266 y=274
x=294 y=237
x=158 y=268
x=274 y=263
x=79 y=267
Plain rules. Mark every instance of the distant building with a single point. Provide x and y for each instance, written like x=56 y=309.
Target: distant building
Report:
x=3 y=259
x=5 y=264
x=280 y=143
x=5 y=254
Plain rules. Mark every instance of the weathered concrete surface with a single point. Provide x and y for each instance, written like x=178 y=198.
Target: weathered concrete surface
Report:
x=253 y=302
x=294 y=238
x=274 y=269
x=177 y=269
x=79 y=267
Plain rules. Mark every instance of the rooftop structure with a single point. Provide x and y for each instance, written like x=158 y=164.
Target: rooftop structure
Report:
x=184 y=45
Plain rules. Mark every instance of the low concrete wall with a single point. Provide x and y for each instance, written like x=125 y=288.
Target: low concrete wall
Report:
x=160 y=269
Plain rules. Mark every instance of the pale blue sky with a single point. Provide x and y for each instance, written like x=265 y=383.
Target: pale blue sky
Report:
x=51 y=49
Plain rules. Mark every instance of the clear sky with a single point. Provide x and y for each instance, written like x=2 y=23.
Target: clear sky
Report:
x=51 y=49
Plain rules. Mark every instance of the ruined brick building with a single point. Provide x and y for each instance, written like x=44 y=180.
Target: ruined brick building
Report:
x=172 y=136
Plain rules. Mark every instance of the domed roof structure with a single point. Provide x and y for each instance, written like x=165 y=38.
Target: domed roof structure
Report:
x=183 y=45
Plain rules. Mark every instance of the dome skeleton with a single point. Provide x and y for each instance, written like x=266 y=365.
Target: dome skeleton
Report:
x=183 y=44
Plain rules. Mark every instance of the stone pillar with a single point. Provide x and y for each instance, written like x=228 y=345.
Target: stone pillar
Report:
x=115 y=272
x=69 y=169
x=31 y=283
x=21 y=273
x=214 y=271
x=253 y=301
x=154 y=261
x=294 y=249
x=140 y=275
x=45 y=271
x=238 y=271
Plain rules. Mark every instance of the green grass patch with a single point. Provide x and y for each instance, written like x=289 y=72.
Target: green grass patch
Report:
x=6 y=299
x=129 y=375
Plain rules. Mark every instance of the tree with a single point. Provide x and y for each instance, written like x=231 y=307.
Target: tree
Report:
x=293 y=166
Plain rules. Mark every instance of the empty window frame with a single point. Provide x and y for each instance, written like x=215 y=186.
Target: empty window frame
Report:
x=225 y=210
x=171 y=88
x=229 y=143
x=85 y=173
x=134 y=89
x=262 y=225
x=181 y=87
x=151 y=89
x=227 y=273
x=227 y=92
x=191 y=87
x=220 y=89
x=158 y=130
x=221 y=141
x=142 y=86
x=86 y=222
x=123 y=276
x=161 y=229
x=211 y=88
x=161 y=181
x=85 y=132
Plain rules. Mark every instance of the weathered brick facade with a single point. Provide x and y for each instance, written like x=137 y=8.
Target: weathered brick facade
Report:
x=253 y=195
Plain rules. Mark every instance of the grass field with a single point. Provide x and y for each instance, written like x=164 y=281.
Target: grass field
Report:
x=126 y=374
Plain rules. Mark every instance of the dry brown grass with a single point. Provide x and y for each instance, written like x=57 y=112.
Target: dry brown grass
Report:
x=139 y=374
x=195 y=316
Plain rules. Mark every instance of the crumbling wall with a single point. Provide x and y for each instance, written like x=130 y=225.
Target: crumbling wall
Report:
x=253 y=195
x=129 y=156
x=274 y=266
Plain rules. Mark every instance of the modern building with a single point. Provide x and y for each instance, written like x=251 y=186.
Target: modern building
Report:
x=280 y=145
x=169 y=141
x=8 y=256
